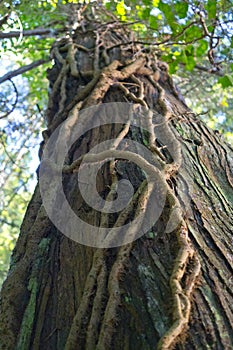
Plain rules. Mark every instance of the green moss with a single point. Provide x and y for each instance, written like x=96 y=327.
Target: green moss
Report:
x=151 y=235
x=28 y=318
x=180 y=130
x=33 y=286
x=44 y=244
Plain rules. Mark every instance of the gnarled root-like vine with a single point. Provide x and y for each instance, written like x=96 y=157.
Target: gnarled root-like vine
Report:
x=97 y=312
x=186 y=265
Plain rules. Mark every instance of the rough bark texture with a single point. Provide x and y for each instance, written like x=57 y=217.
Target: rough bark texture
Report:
x=63 y=295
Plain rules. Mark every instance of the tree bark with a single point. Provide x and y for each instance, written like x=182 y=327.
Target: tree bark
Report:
x=149 y=293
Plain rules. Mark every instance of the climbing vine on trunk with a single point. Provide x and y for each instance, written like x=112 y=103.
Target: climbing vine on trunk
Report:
x=78 y=297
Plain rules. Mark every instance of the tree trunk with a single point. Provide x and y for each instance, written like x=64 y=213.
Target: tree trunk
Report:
x=172 y=286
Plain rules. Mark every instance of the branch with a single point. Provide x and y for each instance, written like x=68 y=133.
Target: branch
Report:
x=23 y=69
x=3 y=221
x=14 y=104
x=4 y=19
x=210 y=70
x=39 y=31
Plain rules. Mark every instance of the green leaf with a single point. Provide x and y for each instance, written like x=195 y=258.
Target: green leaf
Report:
x=189 y=50
x=210 y=28
x=190 y=64
x=183 y=57
x=192 y=33
x=231 y=65
x=167 y=11
x=146 y=2
x=201 y=48
x=108 y=5
x=146 y=13
x=181 y=9
x=155 y=3
x=225 y=81
x=212 y=8
x=153 y=22
x=121 y=8
x=173 y=67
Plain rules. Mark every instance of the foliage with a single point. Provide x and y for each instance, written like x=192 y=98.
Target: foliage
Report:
x=195 y=38
x=19 y=136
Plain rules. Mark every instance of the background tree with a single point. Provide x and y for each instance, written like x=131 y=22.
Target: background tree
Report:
x=94 y=64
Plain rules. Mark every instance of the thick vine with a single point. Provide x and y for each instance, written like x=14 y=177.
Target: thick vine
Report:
x=136 y=72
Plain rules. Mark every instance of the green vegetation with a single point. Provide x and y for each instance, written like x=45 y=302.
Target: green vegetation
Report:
x=194 y=38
